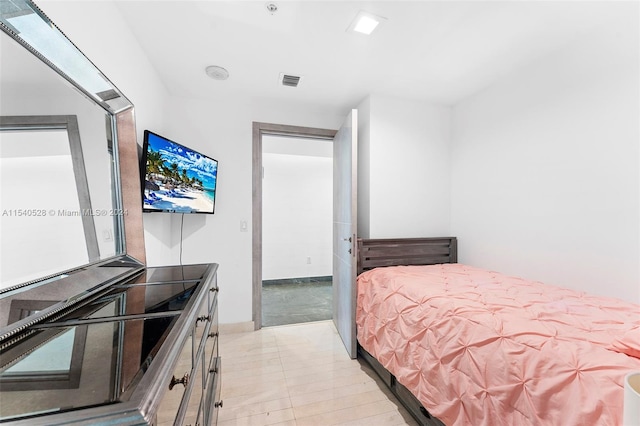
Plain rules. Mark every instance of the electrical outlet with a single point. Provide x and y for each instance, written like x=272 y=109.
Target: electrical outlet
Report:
x=308 y=260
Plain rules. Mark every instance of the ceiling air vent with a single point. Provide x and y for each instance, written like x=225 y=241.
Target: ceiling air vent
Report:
x=290 y=80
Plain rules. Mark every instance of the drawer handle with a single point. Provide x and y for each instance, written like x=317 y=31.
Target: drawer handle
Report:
x=203 y=318
x=214 y=334
x=218 y=404
x=213 y=370
x=184 y=381
x=214 y=289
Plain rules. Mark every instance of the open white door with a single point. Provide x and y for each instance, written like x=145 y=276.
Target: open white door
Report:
x=345 y=145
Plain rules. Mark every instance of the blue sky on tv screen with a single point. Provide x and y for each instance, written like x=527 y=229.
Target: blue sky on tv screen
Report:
x=197 y=165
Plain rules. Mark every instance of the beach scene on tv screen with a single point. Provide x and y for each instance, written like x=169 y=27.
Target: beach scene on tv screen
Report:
x=178 y=179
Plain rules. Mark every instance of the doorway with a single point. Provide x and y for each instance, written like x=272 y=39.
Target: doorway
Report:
x=297 y=210
x=261 y=130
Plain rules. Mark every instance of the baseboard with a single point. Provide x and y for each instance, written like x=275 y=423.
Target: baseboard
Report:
x=301 y=280
x=237 y=327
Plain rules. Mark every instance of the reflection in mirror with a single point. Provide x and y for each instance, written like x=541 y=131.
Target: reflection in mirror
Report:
x=61 y=371
x=41 y=164
x=28 y=25
x=40 y=173
x=56 y=364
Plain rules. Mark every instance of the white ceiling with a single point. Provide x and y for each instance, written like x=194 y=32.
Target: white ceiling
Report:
x=440 y=51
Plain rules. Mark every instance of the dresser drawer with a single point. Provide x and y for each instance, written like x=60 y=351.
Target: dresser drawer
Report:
x=193 y=403
x=213 y=401
x=214 y=318
x=213 y=330
x=208 y=318
x=207 y=328
x=211 y=355
x=176 y=386
x=213 y=291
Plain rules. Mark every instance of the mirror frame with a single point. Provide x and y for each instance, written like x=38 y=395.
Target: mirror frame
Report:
x=130 y=256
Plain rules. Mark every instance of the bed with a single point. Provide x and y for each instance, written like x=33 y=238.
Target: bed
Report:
x=460 y=345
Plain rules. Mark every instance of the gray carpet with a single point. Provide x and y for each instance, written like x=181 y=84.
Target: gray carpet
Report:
x=293 y=301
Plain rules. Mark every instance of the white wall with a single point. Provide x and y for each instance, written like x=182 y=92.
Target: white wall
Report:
x=405 y=187
x=559 y=106
x=223 y=130
x=297 y=212
x=545 y=165
x=98 y=30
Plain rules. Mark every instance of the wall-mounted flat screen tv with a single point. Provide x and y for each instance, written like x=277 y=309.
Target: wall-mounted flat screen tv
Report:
x=175 y=178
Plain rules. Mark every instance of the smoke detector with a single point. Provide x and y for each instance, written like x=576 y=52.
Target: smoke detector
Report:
x=272 y=8
x=290 y=80
x=216 y=72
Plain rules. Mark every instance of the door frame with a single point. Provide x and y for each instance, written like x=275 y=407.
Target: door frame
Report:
x=260 y=129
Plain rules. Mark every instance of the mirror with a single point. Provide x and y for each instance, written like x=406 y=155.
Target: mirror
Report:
x=46 y=199
x=61 y=203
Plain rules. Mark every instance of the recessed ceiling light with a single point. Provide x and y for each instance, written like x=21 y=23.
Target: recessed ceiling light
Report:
x=365 y=23
x=216 y=72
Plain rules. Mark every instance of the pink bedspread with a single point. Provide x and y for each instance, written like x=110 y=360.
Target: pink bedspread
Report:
x=480 y=348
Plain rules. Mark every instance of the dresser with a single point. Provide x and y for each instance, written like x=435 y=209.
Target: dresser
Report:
x=140 y=350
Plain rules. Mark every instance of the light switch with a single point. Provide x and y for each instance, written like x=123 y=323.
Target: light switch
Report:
x=243 y=226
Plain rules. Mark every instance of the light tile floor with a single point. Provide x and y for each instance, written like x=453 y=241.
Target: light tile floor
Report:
x=301 y=375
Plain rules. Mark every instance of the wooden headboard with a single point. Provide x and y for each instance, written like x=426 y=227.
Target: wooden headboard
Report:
x=373 y=253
